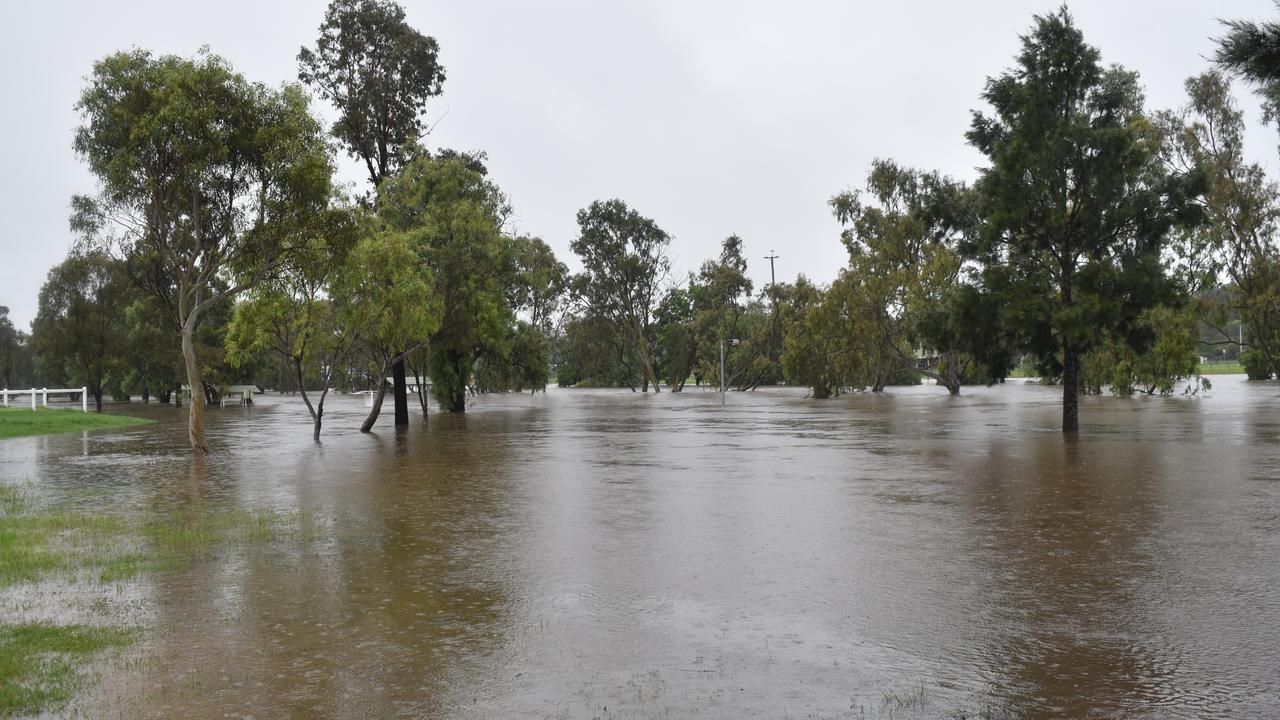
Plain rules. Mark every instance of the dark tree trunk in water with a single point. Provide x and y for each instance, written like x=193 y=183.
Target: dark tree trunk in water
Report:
x=460 y=392
x=1070 y=389
x=401 y=393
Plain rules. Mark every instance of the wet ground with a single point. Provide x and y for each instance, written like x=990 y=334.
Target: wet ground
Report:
x=586 y=554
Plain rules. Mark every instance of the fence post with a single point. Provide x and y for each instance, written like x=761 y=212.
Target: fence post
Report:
x=84 y=399
x=33 y=398
x=45 y=396
x=6 y=397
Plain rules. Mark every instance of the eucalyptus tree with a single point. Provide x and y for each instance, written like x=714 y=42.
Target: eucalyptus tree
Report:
x=818 y=351
x=1076 y=206
x=453 y=217
x=904 y=271
x=299 y=315
x=209 y=184
x=379 y=72
x=386 y=300
x=625 y=264
x=79 y=327
x=1238 y=248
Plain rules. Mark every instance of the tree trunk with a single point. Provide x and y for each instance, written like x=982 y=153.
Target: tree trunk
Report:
x=460 y=392
x=318 y=416
x=367 y=425
x=97 y=396
x=195 y=421
x=401 y=393
x=1070 y=389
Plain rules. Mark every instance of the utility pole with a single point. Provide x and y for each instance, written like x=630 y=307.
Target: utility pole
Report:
x=771 y=257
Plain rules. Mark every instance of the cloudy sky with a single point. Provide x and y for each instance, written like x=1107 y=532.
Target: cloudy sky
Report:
x=712 y=117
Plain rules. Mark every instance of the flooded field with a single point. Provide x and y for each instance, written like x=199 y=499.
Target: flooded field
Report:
x=604 y=554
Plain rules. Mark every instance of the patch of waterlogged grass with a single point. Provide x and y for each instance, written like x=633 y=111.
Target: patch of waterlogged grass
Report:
x=21 y=422
x=36 y=542
x=40 y=663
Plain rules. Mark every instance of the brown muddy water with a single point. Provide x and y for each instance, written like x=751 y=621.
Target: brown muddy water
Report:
x=585 y=554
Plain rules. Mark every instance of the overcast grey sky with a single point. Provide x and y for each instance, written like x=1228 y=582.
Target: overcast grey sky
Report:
x=710 y=117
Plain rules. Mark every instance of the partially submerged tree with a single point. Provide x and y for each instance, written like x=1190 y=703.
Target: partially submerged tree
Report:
x=904 y=272
x=453 y=217
x=1076 y=205
x=379 y=72
x=208 y=183
x=299 y=315
x=624 y=265
x=1238 y=248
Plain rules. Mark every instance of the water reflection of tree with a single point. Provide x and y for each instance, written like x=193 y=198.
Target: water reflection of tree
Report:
x=373 y=618
x=1063 y=528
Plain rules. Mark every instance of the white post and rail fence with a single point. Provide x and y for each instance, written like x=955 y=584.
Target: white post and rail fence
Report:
x=43 y=393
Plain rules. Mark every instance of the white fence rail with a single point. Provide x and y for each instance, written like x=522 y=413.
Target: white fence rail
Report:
x=43 y=393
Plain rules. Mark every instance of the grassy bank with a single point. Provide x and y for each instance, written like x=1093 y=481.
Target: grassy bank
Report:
x=42 y=664
x=22 y=421
x=1221 y=369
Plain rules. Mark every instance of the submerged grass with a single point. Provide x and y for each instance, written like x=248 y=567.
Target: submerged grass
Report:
x=21 y=422
x=39 y=662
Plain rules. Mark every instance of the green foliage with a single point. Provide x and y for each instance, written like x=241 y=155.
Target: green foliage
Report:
x=1256 y=366
x=520 y=363
x=624 y=263
x=1251 y=50
x=17 y=366
x=592 y=353
x=1076 y=205
x=452 y=217
x=1231 y=262
x=209 y=184
x=379 y=73
x=819 y=350
x=1170 y=359
x=79 y=330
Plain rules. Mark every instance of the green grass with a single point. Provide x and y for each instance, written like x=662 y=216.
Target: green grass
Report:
x=36 y=542
x=1219 y=368
x=23 y=421
x=40 y=663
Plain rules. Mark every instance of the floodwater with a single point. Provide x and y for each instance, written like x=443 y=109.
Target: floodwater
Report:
x=604 y=554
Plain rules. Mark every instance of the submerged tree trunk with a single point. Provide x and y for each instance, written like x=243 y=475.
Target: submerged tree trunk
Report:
x=459 y=400
x=319 y=414
x=195 y=420
x=1070 y=389
x=367 y=425
x=401 y=391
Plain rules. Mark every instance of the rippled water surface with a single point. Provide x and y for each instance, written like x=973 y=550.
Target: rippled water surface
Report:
x=606 y=554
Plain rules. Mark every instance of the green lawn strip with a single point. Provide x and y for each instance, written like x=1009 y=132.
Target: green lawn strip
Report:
x=1221 y=369
x=23 y=421
x=40 y=663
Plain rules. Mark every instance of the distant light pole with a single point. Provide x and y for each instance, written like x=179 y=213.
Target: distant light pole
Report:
x=731 y=341
x=771 y=257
